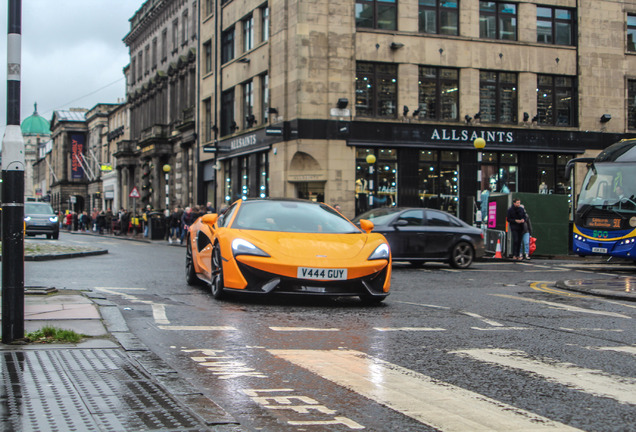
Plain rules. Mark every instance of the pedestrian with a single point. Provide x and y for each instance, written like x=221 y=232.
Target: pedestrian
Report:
x=187 y=219
x=146 y=219
x=101 y=221
x=209 y=208
x=516 y=218
x=527 y=233
x=174 y=225
x=108 y=221
x=68 y=220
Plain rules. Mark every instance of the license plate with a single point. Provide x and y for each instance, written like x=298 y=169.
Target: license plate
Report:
x=321 y=273
x=599 y=250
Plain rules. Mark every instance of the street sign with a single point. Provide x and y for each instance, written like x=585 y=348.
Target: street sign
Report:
x=134 y=193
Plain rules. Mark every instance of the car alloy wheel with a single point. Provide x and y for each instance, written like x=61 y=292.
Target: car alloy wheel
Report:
x=216 y=284
x=191 y=275
x=462 y=255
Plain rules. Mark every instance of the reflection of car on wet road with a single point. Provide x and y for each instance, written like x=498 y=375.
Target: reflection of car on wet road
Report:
x=39 y=218
x=288 y=246
x=418 y=235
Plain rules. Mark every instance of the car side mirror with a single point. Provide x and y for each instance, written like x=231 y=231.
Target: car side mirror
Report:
x=366 y=225
x=400 y=222
x=209 y=219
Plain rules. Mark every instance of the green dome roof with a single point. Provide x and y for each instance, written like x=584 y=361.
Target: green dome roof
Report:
x=35 y=124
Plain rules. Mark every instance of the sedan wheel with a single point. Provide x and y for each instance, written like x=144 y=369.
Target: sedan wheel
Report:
x=191 y=275
x=217 y=283
x=462 y=255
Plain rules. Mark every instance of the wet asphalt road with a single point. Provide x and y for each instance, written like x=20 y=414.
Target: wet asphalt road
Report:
x=498 y=332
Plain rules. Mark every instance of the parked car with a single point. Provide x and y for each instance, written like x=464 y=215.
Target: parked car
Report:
x=288 y=246
x=39 y=218
x=418 y=235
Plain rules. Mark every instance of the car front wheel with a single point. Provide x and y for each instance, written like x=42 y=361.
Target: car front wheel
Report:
x=462 y=255
x=191 y=275
x=216 y=285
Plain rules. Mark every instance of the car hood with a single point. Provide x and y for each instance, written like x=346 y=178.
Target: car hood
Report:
x=308 y=245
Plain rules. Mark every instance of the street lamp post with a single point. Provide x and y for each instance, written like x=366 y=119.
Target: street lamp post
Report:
x=166 y=170
x=479 y=144
x=370 y=160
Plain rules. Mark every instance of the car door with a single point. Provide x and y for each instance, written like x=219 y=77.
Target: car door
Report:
x=439 y=234
x=404 y=235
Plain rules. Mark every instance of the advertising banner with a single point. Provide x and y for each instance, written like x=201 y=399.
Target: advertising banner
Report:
x=77 y=155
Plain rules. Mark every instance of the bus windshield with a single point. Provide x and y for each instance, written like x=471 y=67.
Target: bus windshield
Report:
x=610 y=186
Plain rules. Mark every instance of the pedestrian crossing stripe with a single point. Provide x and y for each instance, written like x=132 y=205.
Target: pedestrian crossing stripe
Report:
x=591 y=381
x=438 y=404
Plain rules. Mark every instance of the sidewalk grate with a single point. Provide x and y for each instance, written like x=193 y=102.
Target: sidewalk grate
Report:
x=84 y=390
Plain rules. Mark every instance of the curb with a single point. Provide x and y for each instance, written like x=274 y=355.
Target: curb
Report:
x=174 y=384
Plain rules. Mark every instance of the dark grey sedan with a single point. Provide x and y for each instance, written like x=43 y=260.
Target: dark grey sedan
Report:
x=418 y=235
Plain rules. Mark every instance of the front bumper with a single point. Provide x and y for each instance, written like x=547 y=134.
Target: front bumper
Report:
x=262 y=282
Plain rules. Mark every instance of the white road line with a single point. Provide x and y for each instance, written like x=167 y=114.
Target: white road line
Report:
x=196 y=328
x=499 y=328
x=591 y=329
x=629 y=349
x=435 y=403
x=159 y=313
x=565 y=307
x=422 y=304
x=592 y=381
x=481 y=318
x=283 y=329
x=388 y=329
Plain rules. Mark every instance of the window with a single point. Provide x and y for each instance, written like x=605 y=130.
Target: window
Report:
x=140 y=65
x=227 y=45
x=265 y=98
x=209 y=7
x=376 y=89
x=263 y=178
x=438 y=90
x=376 y=184
x=147 y=65
x=555 y=26
x=248 y=33
x=497 y=20
x=551 y=178
x=438 y=17
x=207 y=57
x=498 y=97
x=133 y=70
x=207 y=119
x=184 y=28
x=228 y=125
x=164 y=45
x=631 y=32
x=555 y=100
x=154 y=53
x=264 y=23
x=175 y=35
x=499 y=173
x=248 y=105
x=631 y=104
x=377 y=14
x=438 y=186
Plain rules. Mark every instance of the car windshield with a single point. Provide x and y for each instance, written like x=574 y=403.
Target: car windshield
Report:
x=291 y=216
x=38 y=209
x=379 y=216
x=609 y=186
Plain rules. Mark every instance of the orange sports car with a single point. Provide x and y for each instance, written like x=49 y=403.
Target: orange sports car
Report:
x=288 y=246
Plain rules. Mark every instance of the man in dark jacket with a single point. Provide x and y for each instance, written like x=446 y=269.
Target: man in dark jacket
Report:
x=516 y=218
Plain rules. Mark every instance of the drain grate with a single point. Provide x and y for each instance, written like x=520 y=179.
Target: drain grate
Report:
x=84 y=390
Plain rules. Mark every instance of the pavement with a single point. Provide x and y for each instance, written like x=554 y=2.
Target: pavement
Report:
x=111 y=381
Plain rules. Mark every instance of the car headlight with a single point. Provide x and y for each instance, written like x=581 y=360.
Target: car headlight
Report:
x=243 y=247
x=53 y=219
x=381 y=252
x=27 y=218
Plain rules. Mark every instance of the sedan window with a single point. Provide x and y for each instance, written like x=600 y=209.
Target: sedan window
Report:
x=413 y=217
x=435 y=218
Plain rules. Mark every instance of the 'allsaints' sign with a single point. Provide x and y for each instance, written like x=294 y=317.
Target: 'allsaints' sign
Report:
x=471 y=135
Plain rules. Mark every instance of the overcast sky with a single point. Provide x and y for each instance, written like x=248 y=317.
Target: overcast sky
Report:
x=72 y=54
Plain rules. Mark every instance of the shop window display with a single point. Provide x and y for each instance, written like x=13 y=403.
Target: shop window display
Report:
x=376 y=178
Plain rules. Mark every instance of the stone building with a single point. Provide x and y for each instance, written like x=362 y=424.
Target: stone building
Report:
x=35 y=131
x=372 y=103
x=161 y=154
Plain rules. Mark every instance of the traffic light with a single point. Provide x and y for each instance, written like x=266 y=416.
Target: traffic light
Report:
x=146 y=182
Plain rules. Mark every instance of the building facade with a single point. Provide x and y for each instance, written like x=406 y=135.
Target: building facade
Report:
x=371 y=103
x=35 y=132
x=160 y=156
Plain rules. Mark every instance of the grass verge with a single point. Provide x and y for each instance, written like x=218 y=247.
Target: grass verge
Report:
x=50 y=334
